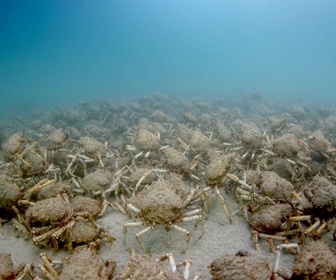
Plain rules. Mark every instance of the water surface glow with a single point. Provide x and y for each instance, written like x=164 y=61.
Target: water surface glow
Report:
x=61 y=52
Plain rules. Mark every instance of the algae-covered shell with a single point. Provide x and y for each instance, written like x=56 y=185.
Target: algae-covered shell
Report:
x=159 y=203
x=176 y=161
x=275 y=187
x=54 y=189
x=6 y=266
x=240 y=267
x=322 y=196
x=85 y=264
x=84 y=232
x=9 y=191
x=48 y=211
x=316 y=261
x=218 y=168
x=12 y=145
x=270 y=218
x=146 y=140
x=55 y=139
x=91 y=146
x=97 y=180
x=147 y=268
x=86 y=204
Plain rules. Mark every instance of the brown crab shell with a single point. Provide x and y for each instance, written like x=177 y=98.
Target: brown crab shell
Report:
x=55 y=139
x=199 y=141
x=323 y=197
x=176 y=161
x=6 y=266
x=86 y=204
x=36 y=166
x=84 y=263
x=270 y=218
x=147 y=268
x=54 y=189
x=217 y=169
x=146 y=140
x=316 y=261
x=240 y=267
x=139 y=173
x=12 y=145
x=286 y=145
x=84 y=232
x=184 y=132
x=276 y=187
x=97 y=180
x=9 y=191
x=91 y=146
x=250 y=136
x=48 y=211
x=159 y=203
x=215 y=172
x=176 y=180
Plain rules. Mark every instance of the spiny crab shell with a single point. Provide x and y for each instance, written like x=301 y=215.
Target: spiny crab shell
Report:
x=91 y=146
x=9 y=193
x=240 y=267
x=316 y=261
x=270 y=218
x=49 y=211
x=218 y=168
x=146 y=267
x=159 y=203
x=322 y=197
x=139 y=173
x=12 y=146
x=84 y=232
x=83 y=263
x=97 y=180
x=176 y=161
x=146 y=140
x=6 y=266
x=55 y=139
x=87 y=205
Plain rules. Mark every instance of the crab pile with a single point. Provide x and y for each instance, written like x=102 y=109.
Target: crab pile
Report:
x=163 y=165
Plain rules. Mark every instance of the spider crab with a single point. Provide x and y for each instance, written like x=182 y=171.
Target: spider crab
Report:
x=160 y=203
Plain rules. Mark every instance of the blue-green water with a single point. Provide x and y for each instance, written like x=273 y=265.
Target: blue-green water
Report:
x=57 y=53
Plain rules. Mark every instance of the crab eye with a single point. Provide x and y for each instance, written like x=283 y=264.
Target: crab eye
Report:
x=283 y=221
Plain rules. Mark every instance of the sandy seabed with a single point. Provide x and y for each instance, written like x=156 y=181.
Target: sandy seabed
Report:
x=248 y=129
x=220 y=238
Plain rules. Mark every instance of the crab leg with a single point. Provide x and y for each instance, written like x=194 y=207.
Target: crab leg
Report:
x=309 y=230
x=320 y=229
x=37 y=187
x=186 y=232
x=130 y=224
x=190 y=216
x=186 y=273
x=47 y=267
x=73 y=159
x=171 y=261
x=46 y=272
x=278 y=250
x=56 y=234
x=26 y=270
x=38 y=239
x=138 y=237
x=222 y=201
